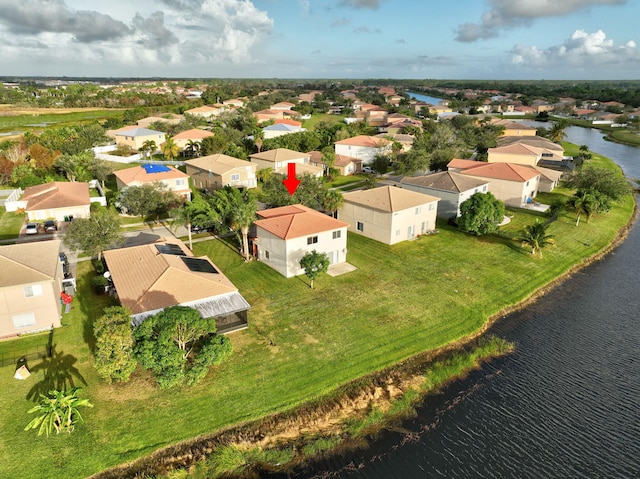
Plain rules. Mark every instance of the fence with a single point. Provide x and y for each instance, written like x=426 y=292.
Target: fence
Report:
x=11 y=203
x=11 y=356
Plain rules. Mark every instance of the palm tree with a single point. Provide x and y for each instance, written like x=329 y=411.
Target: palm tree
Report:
x=332 y=201
x=536 y=237
x=193 y=148
x=170 y=149
x=243 y=214
x=556 y=133
x=148 y=147
x=583 y=203
x=57 y=412
x=197 y=212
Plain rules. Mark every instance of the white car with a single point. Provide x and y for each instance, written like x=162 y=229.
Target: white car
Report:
x=31 y=229
x=368 y=170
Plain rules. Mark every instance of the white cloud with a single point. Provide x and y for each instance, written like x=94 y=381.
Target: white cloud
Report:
x=183 y=32
x=512 y=13
x=581 y=50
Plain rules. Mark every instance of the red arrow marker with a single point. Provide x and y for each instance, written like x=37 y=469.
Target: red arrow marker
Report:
x=291 y=182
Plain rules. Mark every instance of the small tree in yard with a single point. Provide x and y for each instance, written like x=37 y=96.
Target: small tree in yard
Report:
x=536 y=237
x=57 y=412
x=313 y=264
x=95 y=234
x=114 y=358
x=178 y=344
x=481 y=214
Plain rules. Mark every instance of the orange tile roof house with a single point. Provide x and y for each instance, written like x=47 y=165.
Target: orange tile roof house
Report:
x=363 y=147
x=196 y=135
x=389 y=214
x=30 y=286
x=284 y=235
x=151 y=277
x=212 y=172
x=59 y=200
x=452 y=189
x=207 y=112
x=516 y=185
x=174 y=179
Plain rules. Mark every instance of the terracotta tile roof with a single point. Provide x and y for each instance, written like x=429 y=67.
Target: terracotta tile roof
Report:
x=147 y=279
x=279 y=154
x=446 y=181
x=202 y=109
x=282 y=104
x=503 y=171
x=138 y=173
x=460 y=164
x=296 y=221
x=25 y=263
x=388 y=198
x=535 y=141
x=516 y=149
x=194 y=134
x=301 y=169
x=364 y=140
x=286 y=121
x=344 y=160
x=218 y=163
x=513 y=125
x=553 y=175
x=58 y=194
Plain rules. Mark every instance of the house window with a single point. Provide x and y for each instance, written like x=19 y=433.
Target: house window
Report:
x=425 y=225
x=34 y=290
x=397 y=232
x=360 y=226
x=312 y=240
x=24 y=320
x=527 y=183
x=336 y=234
x=484 y=188
x=235 y=177
x=419 y=210
x=266 y=254
x=180 y=182
x=431 y=205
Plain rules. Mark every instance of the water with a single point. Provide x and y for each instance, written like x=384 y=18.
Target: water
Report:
x=426 y=98
x=565 y=404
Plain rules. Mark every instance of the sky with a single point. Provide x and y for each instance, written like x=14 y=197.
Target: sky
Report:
x=420 y=39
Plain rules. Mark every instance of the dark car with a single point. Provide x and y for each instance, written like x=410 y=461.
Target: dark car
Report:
x=50 y=226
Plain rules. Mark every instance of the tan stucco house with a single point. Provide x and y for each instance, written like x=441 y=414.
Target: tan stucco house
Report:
x=174 y=179
x=363 y=147
x=516 y=185
x=284 y=235
x=452 y=189
x=30 y=286
x=134 y=138
x=279 y=158
x=58 y=200
x=389 y=214
x=212 y=172
x=195 y=135
x=151 y=277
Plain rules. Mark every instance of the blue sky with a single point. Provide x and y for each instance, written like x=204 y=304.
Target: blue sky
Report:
x=465 y=39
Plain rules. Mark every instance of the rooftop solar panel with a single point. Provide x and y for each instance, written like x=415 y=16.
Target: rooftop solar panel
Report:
x=199 y=265
x=170 y=249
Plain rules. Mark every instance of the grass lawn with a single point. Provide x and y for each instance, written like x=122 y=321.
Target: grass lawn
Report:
x=10 y=224
x=311 y=123
x=301 y=343
x=37 y=119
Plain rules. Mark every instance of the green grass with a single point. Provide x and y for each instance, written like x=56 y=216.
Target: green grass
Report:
x=39 y=121
x=311 y=123
x=10 y=224
x=301 y=343
x=341 y=181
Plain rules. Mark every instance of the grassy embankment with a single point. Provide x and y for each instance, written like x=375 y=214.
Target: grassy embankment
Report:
x=303 y=344
x=14 y=118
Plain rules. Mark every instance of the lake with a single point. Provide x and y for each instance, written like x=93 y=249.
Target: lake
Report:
x=565 y=404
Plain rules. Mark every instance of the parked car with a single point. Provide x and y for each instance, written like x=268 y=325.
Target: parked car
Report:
x=50 y=226
x=368 y=170
x=31 y=228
